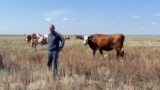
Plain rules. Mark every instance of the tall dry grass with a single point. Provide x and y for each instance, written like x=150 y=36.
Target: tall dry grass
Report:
x=25 y=68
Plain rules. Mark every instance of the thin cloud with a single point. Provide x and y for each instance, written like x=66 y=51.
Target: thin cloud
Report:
x=54 y=14
x=157 y=14
x=48 y=19
x=136 y=16
x=3 y=28
x=65 y=19
x=68 y=19
x=154 y=23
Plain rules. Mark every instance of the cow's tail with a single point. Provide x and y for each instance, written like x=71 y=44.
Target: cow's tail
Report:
x=122 y=49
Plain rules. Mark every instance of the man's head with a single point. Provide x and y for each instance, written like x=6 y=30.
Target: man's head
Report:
x=51 y=28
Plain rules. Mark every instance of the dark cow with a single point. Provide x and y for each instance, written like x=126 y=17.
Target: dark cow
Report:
x=106 y=42
x=27 y=38
x=79 y=37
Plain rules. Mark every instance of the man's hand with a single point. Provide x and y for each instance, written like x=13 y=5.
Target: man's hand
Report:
x=60 y=49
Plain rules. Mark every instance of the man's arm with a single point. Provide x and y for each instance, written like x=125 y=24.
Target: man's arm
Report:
x=62 y=41
x=48 y=39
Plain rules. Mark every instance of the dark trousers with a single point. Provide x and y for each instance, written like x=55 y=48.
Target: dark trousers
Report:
x=53 y=60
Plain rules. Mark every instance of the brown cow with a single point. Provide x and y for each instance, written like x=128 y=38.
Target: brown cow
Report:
x=33 y=40
x=27 y=38
x=106 y=42
x=79 y=37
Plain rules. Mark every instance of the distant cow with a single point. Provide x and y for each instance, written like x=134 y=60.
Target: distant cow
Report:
x=43 y=39
x=34 y=40
x=66 y=37
x=27 y=38
x=38 y=39
x=106 y=42
x=79 y=37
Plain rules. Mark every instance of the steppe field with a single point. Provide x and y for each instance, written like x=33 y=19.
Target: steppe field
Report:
x=25 y=68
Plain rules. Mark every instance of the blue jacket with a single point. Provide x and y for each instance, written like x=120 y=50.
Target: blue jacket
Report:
x=55 y=41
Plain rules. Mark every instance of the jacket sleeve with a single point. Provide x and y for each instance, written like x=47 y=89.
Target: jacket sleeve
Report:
x=62 y=41
x=48 y=39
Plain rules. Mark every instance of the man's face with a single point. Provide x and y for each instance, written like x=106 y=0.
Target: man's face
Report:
x=51 y=28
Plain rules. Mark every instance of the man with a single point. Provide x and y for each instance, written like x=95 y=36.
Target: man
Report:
x=55 y=44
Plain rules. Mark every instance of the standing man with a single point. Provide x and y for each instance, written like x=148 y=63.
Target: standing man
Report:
x=55 y=44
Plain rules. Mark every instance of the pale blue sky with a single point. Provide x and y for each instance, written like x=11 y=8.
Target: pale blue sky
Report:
x=80 y=16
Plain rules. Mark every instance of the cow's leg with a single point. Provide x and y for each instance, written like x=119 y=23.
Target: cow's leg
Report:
x=94 y=52
x=32 y=44
x=101 y=52
x=118 y=53
x=35 y=46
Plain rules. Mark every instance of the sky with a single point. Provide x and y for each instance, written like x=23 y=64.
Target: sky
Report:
x=130 y=17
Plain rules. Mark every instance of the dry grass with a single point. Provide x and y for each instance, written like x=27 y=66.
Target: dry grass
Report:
x=25 y=68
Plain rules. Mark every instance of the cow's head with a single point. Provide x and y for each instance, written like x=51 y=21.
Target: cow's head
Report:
x=42 y=40
x=27 y=38
x=85 y=41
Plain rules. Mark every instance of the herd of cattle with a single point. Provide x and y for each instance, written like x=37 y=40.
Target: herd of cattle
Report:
x=36 y=39
x=101 y=42
x=41 y=39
